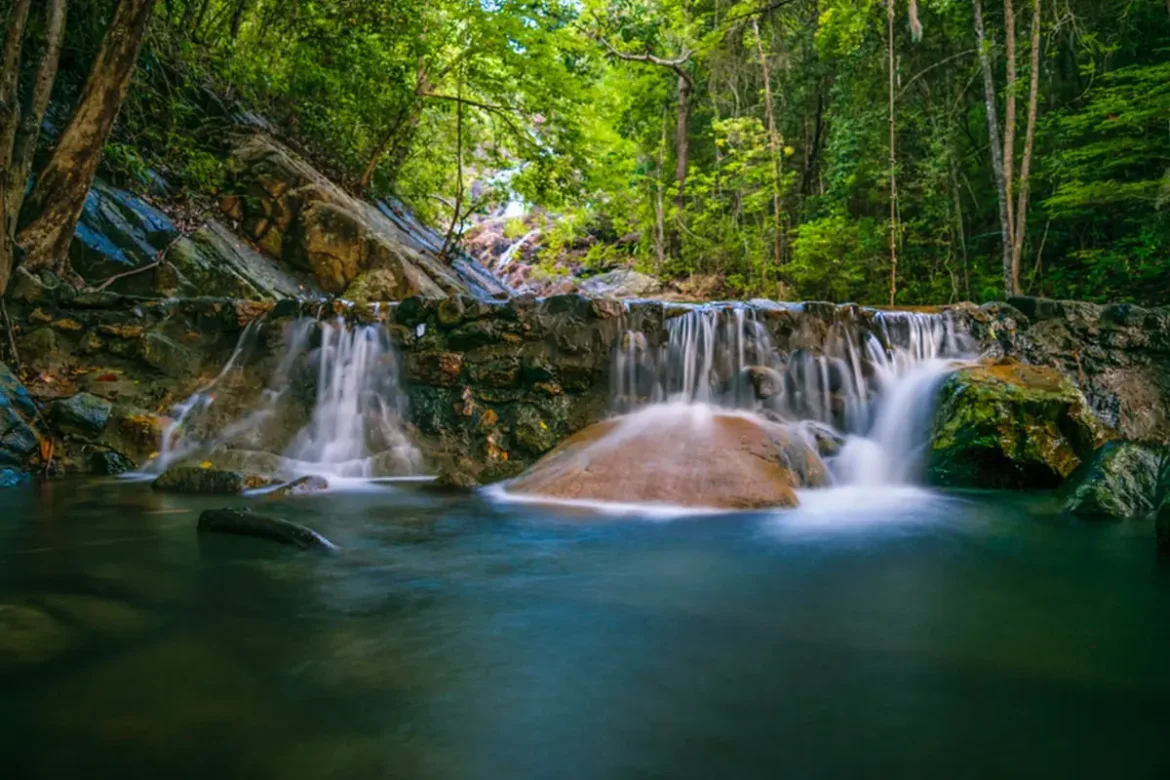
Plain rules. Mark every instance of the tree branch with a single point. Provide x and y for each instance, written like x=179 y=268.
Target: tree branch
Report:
x=675 y=64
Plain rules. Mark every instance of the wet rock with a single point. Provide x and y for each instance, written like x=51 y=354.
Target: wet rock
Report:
x=622 y=283
x=1120 y=480
x=304 y=486
x=30 y=635
x=453 y=480
x=118 y=232
x=18 y=440
x=688 y=456
x=110 y=463
x=244 y=522
x=11 y=478
x=192 y=479
x=83 y=415
x=215 y=261
x=1010 y=425
x=168 y=357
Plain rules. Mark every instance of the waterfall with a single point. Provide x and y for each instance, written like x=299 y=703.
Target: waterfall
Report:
x=510 y=253
x=867 y=380
x=356 y=425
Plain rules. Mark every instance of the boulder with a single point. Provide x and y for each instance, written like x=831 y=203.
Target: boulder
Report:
x=192 y=479
x=688 y=455
x=292 y=212
x=214 y=261
x=304 y=486
x=1120 y=480
x=118 y=232
x=18 y=440
x=83 y=415
x=109 y=463
x=622 y=283
x=245 y=522
x=1010 y=425
x=13 y=478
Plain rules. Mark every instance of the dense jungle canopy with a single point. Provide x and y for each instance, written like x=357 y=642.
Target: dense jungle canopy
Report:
x=906 y=151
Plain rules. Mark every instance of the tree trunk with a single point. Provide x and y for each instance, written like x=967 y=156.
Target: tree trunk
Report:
x=659 y=208
x=238 y=18
x=996 y=150
x=9 y=120
x=33 y=111
x=681 y=164
x=1009 y=120
x=1021 y=221
x=59 y=195
x=773 y=145
x=893 y=161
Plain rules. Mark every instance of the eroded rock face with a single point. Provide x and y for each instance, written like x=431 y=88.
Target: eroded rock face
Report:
x=83 y=414
x=1121 y=479
x=683 y=455
x=1010 y=425
x=295 y=213
x=1118 y=355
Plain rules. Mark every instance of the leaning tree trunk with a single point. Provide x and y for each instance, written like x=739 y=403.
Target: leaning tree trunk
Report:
x=1021 y=220
x=57 y=199
x=9 y=120
x=996 y=149
x=35 y=104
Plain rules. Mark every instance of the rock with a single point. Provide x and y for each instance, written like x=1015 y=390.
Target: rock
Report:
x=215 y=261
x=622 y=283
x=83 y=415
x=18 y=440
x=191 y=479
x=1162 y=531
x=1010 y=425
x=118 y=232
x=295 y=213
x=169 y=358
x=110 y=463
x=245 y=522
x=12 y=478
x=305 y=486
x=1119 y=356
x=1120 y=480
x=685 y=455
x=29 y=635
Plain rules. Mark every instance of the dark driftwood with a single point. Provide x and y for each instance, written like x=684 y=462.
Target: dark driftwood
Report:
x=245 y=522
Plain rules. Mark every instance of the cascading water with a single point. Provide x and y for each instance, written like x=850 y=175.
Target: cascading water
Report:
x=867 y=382
x=355 y=429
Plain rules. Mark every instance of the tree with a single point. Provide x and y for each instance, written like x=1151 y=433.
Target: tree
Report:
x=998 y=171
x=58 y=196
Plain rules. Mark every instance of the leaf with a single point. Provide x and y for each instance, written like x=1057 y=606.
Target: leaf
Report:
x=47 y=447
x=205 y=464
x=107 y=377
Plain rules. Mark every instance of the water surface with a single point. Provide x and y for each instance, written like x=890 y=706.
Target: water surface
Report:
x=872 y=633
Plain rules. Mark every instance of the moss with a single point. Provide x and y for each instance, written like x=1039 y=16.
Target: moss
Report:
x=1009 y=425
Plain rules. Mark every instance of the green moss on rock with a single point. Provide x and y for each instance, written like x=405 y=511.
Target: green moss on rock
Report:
x=1010 y=425
x=1121 y=479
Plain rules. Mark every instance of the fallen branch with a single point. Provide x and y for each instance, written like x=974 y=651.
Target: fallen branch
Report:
x=155 y=263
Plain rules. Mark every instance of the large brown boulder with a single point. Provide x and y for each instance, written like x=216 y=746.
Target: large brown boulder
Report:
x=685 y=455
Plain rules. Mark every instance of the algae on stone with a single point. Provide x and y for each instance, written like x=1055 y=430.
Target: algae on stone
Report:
x=1010 y=425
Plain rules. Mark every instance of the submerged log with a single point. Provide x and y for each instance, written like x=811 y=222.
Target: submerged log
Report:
x=245 y=522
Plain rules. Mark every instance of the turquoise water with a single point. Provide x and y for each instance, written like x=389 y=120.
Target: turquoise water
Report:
x=866 y=635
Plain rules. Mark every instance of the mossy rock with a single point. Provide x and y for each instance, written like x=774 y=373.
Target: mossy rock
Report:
x=83 y=414
x=192 y=479
x=1121 y=479
x=1007 y=425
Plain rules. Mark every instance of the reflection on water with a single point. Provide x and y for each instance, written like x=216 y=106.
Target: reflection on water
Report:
x=921 y=636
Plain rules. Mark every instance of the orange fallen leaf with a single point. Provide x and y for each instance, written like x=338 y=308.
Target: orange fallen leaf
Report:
x=107 y=377
x=46 y=450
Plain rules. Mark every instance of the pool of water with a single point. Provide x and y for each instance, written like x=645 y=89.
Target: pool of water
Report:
x=872 y=633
